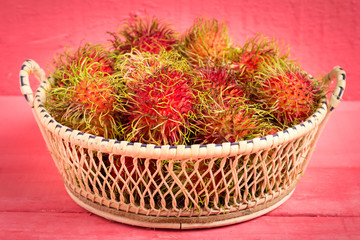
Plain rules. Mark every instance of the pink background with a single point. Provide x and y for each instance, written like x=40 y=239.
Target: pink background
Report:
x=321 y=33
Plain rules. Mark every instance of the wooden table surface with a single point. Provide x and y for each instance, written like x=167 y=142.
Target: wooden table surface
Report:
x=35 y=205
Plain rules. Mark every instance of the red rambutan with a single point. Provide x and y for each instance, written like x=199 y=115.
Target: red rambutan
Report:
x=91 y=105
x=91 y=58
x=287 y=92
x=219 y=82
x=206 y=40
x=256 y=51
x=84 y=95
x=145 y=35
x=231 y=123
x=98 y=99
x=160 y=98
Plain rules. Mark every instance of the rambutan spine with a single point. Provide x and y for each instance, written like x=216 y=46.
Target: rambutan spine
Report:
x=232 y=123
x=91 y=58
x=85 y=96
x=160 y=97
x=255 y=51
x=144 y=34
x=287 y=92
x=206 y=40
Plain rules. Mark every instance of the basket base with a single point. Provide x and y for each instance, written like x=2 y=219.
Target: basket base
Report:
x=180 y=222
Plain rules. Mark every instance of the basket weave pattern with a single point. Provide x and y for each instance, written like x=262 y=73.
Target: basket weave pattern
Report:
x=188 y=187
x=178 y=181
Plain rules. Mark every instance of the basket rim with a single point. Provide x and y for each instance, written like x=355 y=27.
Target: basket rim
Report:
x=193 y=151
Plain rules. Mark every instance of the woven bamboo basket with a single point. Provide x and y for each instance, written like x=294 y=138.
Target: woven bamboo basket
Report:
x=153 y=186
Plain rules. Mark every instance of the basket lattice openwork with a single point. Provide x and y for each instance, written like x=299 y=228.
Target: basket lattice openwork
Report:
x=197 y=186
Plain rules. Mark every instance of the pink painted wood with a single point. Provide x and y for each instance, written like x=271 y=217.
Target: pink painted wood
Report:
x=34 y=203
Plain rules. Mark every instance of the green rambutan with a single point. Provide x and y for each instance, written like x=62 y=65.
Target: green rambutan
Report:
x=206 y=40
x=160 y=97
x=145 y=35
x=287 y=92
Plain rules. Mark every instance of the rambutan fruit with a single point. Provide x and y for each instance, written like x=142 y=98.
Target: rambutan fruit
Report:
x=232 y=121
x=87 y=101
x=92 y=58
x=160 y=97
x=287 y=92
x=145 y=35
x=223 y=109
x=256 y=51
x=216 y=81
x=206 y=40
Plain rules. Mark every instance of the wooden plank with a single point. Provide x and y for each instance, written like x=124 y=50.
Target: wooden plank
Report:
x=49 y=225
x=336 y=146
x=324 y=192
x=29 y=180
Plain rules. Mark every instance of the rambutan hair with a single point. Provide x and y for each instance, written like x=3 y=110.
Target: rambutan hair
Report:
x=255 y=51
x=91 y=58
x=232 y=120
x=146 y=34
x=160 y=99
x=216 y=80
x=85 y=95
x=206 y=40
x=287 y=92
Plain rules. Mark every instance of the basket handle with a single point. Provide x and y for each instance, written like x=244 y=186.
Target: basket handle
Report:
x=30 y=66
x=340 y=76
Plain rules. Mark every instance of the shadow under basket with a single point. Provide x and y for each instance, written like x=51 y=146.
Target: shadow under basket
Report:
x=179 y=187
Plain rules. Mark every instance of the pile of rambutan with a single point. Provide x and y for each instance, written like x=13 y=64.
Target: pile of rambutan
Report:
x=153 y=85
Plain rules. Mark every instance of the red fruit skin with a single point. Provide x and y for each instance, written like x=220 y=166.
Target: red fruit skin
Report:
x=162 y=104
x=292 y=95
x=221 y=82
x=90 y=59
x=98 y=99
x=256 y=51
x=216 y=76
x=94 y=95
x=99 y=64
x=207 y=40
x=227 y=126
x=153 y=44
x=145 y=35
x=251 y=61
x=95 y=58
x=212 y=46
x=248 y=65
